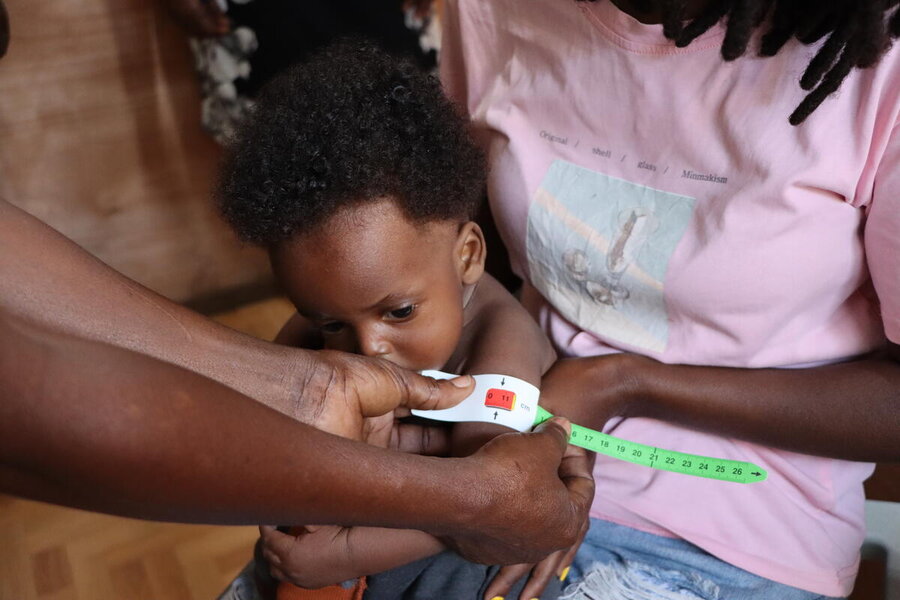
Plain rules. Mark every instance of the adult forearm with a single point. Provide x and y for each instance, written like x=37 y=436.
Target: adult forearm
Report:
x=849 y=410
x=50 y=281
x=93 y=426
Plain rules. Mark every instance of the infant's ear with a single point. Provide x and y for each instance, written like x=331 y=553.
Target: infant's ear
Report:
x=472 y=252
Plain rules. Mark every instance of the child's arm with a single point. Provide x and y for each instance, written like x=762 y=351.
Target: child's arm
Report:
x=504 y=339
x=325 y=555
x=500 y=337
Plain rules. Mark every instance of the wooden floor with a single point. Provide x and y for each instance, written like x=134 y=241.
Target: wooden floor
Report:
x=53 y=553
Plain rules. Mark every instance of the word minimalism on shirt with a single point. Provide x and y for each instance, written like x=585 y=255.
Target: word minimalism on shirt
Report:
x=703 y=177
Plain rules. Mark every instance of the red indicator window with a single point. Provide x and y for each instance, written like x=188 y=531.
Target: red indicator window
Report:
x=500 y=399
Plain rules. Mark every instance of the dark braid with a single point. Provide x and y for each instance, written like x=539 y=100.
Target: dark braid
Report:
x=742 y=20
x=673 y=16
x=826 y=56
x=895 y=24
x=858 y=32
x=717 y=10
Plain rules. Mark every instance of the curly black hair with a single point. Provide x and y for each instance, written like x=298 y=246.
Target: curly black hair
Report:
x=859 y=32
x=351 y=124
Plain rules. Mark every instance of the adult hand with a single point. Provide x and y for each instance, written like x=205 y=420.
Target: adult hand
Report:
x=555 y=565
x=201 y=18
x=359 y=398
x=536 y=497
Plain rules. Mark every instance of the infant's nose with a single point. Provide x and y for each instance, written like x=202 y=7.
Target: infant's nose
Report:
x=372 y=344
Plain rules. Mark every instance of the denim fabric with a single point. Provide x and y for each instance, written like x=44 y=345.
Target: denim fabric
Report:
x=620 y=563
x=444 y=576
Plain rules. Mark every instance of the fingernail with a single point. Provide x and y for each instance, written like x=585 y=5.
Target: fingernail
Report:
x=498 y=598
x=564 y=574
x=463 y=382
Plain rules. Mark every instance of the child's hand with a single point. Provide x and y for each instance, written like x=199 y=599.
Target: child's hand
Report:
x=322 y=556
x=319 y=556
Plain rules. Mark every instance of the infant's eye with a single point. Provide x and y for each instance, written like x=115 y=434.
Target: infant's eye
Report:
x=402 y=313
x=332 y=327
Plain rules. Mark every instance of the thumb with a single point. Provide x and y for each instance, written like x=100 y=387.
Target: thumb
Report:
x=556 y=431
x=425 y=393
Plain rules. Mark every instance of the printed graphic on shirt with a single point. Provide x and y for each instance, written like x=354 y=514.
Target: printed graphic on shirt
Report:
x=598 y=249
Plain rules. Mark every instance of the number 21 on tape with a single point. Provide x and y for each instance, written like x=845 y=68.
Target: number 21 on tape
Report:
x=500 y=399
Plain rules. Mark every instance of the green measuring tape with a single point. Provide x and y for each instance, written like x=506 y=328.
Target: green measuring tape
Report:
x=505 y=400
x=724 y=469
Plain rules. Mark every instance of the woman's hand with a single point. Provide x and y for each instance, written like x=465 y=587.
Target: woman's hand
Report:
x=555 y=565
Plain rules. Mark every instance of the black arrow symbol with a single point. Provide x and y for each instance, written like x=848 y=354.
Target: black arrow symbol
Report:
x=495 y=415
x=503 y=381
x=757 y=474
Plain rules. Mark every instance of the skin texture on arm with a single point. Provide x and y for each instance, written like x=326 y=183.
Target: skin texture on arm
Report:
x=49 y=280
x=499 y=336
x=93 y=426
x=90 y=425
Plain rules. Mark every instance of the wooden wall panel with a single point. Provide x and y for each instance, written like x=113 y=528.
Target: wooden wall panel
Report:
x=100 y=137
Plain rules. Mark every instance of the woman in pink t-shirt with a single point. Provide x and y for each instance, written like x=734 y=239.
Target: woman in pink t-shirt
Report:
x=715 y=250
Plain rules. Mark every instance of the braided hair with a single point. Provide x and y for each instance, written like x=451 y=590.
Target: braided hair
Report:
x=858 y=33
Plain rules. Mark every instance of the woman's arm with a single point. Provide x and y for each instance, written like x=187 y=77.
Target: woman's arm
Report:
x=849 y=410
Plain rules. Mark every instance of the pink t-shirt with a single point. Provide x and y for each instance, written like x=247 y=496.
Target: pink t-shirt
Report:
x=656 y=200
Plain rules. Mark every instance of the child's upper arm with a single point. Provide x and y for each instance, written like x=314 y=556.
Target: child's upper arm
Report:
x=506 y=339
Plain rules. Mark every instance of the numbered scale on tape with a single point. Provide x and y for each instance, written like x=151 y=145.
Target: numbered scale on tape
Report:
x=513 y=403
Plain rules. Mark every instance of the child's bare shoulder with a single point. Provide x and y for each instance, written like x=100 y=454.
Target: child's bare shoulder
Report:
x=499 y=336
x=492 y=304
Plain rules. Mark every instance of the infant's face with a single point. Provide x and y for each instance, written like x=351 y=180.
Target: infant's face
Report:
x=376 y=284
